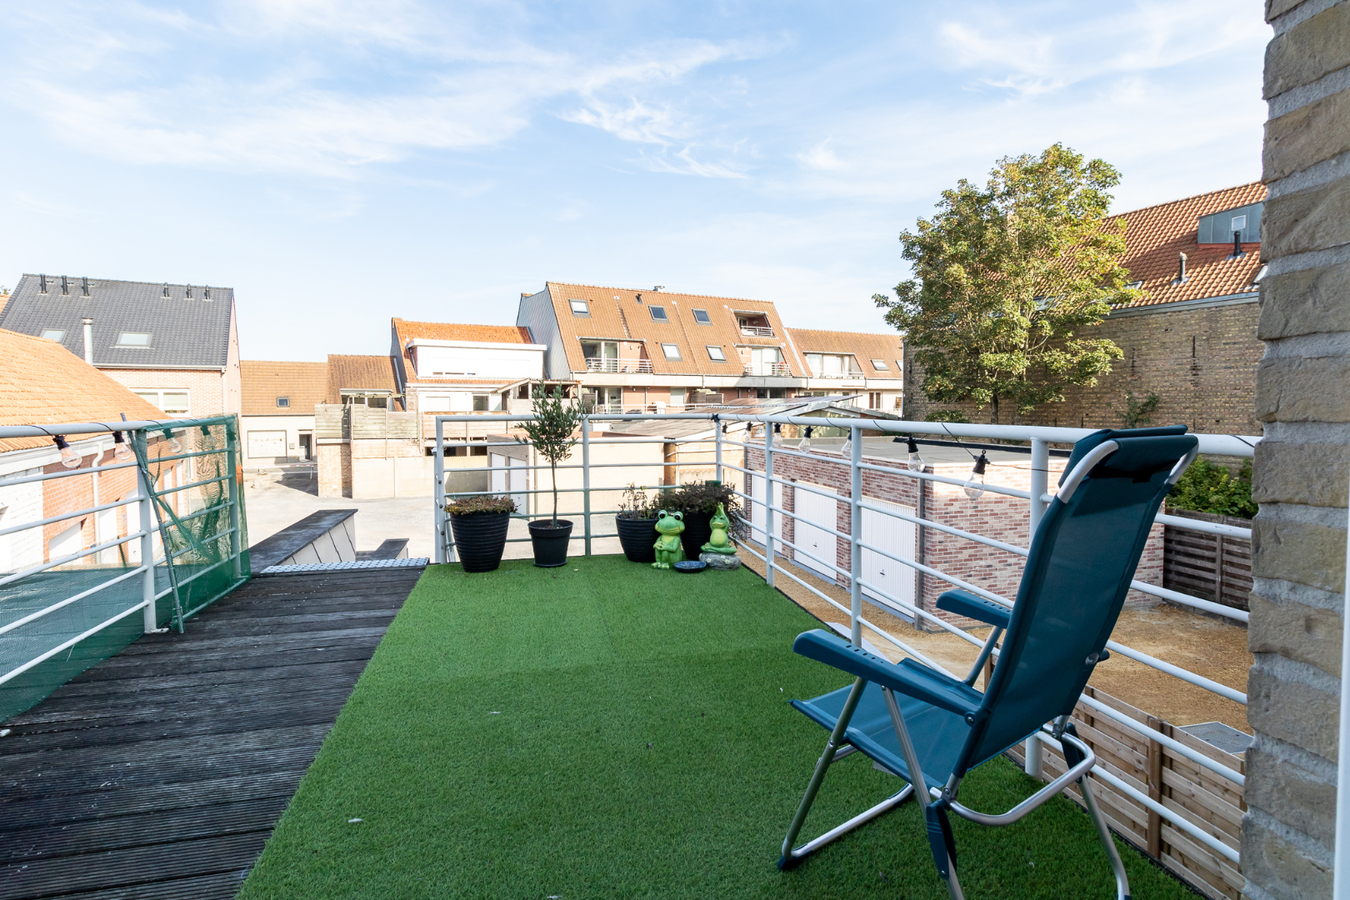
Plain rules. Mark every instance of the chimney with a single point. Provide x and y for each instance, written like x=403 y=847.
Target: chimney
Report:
x=166 y=290
x=189 y=292
x=42 y=284
x=1181 y=271
x=84 y=285
x=89 y=341
x=1237 y=246
x=65 y=286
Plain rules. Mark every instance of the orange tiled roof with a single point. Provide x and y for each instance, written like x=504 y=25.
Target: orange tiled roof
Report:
x=405 y=331
x=305 y=383
x=864 y=346
x=617 y=314
x=360 y=373
x=1155 y=235
x=43 y=383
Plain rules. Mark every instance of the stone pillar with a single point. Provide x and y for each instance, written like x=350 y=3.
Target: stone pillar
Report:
x=1302 y=465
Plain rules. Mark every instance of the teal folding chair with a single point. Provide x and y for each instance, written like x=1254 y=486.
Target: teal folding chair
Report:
x=931 y=729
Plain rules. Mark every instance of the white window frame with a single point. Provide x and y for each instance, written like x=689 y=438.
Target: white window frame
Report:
x=584 y=312
x=719 y=356
x=666 y=351
x=880 y=365
x=159 y=399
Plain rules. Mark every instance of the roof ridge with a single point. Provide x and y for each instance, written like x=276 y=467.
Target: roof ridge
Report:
x=469 y=324
x=223 y=287
x=1236 y=187
x=603 y=287
x=860 y=333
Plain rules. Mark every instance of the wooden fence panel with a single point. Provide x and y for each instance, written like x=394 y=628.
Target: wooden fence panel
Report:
x=1210 y=566
x=1208 y=801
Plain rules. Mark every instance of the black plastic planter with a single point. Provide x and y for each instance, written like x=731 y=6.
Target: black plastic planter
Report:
x=550 y=544
x=697 y=532
x=480 y=539
x=638 y=537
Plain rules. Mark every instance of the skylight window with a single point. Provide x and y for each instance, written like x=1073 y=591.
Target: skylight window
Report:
x=1135 y=285
x=580 y=308
x=658 y=314
x=701 y=317
x=133 y=339
x=54 y=334
x=716 y=354
x=283 y=402
x=880 y=365
x=671 y=352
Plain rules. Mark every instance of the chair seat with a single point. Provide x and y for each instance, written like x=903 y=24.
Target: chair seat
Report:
x=938 y=735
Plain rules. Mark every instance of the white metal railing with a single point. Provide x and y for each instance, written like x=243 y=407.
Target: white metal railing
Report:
x=756 y=331
x=1037 y=497
x=778 y=368
x=75 y=579
x=621 y=366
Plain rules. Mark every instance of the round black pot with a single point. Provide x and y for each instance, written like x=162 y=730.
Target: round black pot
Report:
x=480 y=539
x=697 y=531
x=638 y=537
x=550 y=544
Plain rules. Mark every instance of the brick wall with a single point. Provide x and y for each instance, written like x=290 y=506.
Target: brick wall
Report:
x=996 y=516
x=335 y=469
x=1303 y=399
x=21 y=503
x=206 y=388
x=1201 y=362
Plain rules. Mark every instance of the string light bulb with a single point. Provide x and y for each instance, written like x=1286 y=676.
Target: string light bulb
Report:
x=974 y=486
x=847 y=449
x=915 y=460
x=175 y=445
x=121 y=452
x=777 y=435
x=805 y=445
x=70 y=457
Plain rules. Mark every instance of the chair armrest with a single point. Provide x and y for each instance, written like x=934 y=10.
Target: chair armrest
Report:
x=964 y=603
x=909 y=678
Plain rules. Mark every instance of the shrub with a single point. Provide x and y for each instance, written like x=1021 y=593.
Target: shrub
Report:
x=636 y=503
x=1213 y=489
x=467 y=506
x=704 y=498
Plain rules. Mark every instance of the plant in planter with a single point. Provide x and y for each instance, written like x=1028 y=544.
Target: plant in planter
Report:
x=479 y=527
x=636 y=523
x=699 y=503
x=553 y=434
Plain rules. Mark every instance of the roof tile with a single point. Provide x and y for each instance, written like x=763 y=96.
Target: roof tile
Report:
x=304 y=383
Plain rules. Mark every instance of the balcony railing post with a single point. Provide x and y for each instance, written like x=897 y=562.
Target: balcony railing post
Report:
x=235 y=471
x=438 y=494
x=149 y=618
x=717 y=443
x=586 y=479
x=855 y=529
x=1040 y=465
x=768 y=504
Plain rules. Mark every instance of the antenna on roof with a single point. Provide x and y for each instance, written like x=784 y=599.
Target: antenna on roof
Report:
x=42 y=284
x=84 y=285
x=659 y=287
x=1181 y=271
x=65 y=286
x=639 y=298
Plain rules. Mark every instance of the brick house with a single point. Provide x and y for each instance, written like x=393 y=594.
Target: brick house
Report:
x=854 y=362
x=277 y=415
x=41 y=383
x=175 y=345
x=364 y=433
x=1191 y=339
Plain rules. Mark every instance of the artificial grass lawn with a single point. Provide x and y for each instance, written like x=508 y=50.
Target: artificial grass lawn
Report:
x=610 y=730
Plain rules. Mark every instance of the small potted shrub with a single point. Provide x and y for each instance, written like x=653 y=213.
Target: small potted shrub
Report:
x=553 y=433
x=479 y=527
x=636 y=523
x=699 y=502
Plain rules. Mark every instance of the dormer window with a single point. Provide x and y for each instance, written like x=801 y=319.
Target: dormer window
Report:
x=659 y=314
x=580 y=308
x=1218 y=227
x=701 y=317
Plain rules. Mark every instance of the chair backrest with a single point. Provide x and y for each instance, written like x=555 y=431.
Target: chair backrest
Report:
x=1078 y=571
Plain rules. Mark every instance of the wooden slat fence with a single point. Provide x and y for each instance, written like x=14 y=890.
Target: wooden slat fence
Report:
x=1210 y=566
x=1207 y=800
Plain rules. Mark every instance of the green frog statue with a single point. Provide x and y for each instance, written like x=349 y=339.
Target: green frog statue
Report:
x=668 y=548
x=720 y=542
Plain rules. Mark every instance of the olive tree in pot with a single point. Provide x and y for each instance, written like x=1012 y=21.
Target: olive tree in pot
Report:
x=699 y=502
x=636 y=524
x=553 y=434
x=479 y=527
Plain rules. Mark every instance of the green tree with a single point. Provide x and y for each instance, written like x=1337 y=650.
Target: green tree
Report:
x=552 y=431
x=1004 y=278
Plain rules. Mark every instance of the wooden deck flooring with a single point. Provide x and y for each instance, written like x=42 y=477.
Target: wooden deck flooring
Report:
x=160 y=772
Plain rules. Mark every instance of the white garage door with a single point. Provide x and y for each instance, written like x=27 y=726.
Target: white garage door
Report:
x=815 y=514
x=266 y=444
x=511 y=480
x=897 y=537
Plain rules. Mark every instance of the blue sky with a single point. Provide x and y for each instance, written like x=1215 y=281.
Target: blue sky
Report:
x=338 y=163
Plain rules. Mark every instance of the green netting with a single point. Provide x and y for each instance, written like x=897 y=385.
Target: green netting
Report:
x=65 y=618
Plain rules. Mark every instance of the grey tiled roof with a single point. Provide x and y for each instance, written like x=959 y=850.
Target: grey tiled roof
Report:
x=184 y=332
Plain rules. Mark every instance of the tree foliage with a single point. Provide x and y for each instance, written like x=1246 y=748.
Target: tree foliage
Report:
x=1206 y=487
x=1006 y=275
x=553 y=431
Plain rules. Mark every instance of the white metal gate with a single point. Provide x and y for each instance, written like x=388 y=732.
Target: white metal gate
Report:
x=898 y=537
x=815 y=514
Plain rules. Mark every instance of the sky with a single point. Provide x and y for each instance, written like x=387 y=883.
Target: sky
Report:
x=340 y=162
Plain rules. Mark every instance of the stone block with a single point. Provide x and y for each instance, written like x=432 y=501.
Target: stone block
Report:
x=1303 y=390
x=1301 y=552
x=1306 y=634
x=1309 y=301
x=1290 y=793
x=1308 y=135
x=1295 y=712
x=1279 y=867
x=1277 y=8
x=1308 y=51
x=1311 y=219
x=1311 y=474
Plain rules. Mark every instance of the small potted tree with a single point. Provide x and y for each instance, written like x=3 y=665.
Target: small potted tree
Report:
x=699 y=502
x=636 y=523
x=553 y=434
x=479 y=526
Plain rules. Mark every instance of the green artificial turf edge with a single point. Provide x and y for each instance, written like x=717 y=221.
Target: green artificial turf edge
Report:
x=610 y=730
